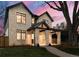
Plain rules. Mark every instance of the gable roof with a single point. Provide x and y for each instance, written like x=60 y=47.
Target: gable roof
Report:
x=47 y=15
x=33 y=15
x=7 y=10
x=34 y=26
x=23 y=5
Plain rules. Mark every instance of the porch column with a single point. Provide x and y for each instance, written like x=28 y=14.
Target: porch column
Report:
x=58 y=38
x=47 y=37
x=36 y=36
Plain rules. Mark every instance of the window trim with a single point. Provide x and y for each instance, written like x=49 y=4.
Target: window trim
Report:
x=21 y=34
x=18 y=31
x=22 y=15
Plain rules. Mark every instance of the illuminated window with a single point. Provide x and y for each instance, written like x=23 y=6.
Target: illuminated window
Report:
x=42 y=38
x=18 y=34
x=32 y=36
x=24 y=19
x=21 y=35
x=18 y=18
x=21 y=18
x=33 y=20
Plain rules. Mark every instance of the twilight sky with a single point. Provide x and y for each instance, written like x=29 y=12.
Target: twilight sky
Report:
x=37 y=7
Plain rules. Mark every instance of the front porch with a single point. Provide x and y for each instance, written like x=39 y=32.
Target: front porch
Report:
x=40 y=35
x=37 y=38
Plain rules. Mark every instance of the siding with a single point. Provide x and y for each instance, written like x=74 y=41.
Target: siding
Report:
x=41 y=18
x=13 y=26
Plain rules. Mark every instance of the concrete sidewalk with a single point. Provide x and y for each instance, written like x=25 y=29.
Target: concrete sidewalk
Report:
x=58 y=52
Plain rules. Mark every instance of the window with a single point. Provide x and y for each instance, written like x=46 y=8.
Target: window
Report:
x=18 y=34
x=46 y=21
x=21 y=35
x=33 y=20
x=24 y=19
x=18 y=18
x=21 y=18
x=33 y=37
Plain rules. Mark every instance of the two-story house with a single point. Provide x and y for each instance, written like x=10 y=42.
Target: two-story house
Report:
x=24 y=28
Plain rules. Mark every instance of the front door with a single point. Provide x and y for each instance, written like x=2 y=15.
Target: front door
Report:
x=54 y=38
x=42 y=41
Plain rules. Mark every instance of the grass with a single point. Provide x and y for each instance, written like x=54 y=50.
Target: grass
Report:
x=25 y=52
x=74 y=51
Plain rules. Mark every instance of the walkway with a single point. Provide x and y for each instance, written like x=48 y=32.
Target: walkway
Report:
x=58 y=52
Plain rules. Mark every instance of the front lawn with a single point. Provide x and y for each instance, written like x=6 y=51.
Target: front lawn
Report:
x=25 y=52
x=74 y=51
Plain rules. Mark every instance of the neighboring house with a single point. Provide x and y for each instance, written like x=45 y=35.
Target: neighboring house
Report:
x=24 y=28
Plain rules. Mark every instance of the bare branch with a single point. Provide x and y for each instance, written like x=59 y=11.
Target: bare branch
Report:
x=53 y=7
x=75 y=8
x=75 y=20
x=65 y=12
x=65 y=8
x=78 y=13
x=61 y=4
x=56 y=5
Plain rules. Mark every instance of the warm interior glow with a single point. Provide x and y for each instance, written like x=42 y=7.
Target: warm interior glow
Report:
x=29 y=39
x=18 y=18
x=33 y=20
x=23 y=19
x=18 y=35
x=42 y=40
x=23 y=36
x=50 y=37
x=32 y=36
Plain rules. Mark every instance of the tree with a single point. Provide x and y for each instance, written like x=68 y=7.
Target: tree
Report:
x=71 y=27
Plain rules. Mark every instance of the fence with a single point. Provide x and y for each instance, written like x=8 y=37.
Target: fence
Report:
x=4 y=41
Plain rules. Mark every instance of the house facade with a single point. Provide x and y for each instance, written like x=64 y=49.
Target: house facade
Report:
x=24 y=28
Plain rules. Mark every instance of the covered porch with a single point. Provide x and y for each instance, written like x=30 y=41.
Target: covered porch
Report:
x=39 y=34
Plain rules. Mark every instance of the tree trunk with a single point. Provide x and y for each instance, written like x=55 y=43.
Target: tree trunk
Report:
x=72 y=39
x=75 y=38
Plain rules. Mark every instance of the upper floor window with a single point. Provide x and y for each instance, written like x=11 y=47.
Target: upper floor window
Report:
x=46 y=21
x=33 y=20
x=21 y=18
